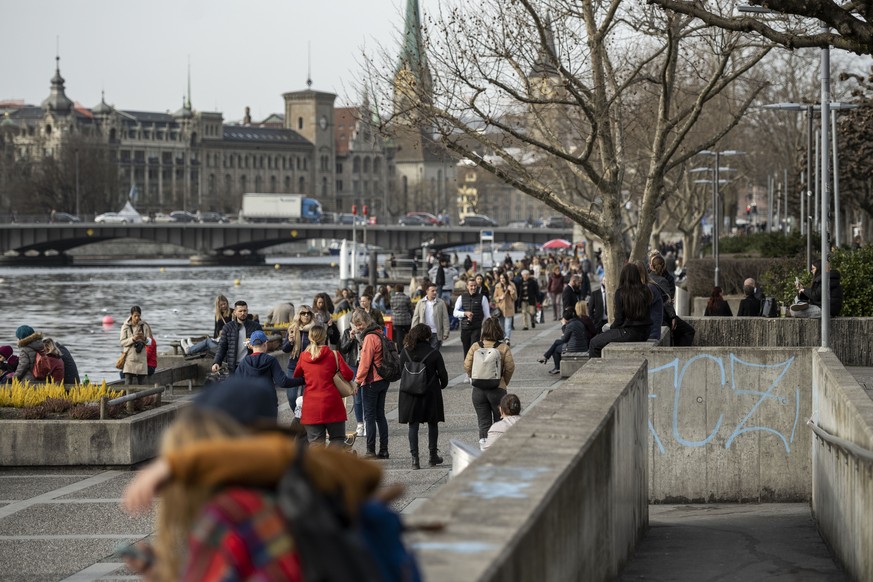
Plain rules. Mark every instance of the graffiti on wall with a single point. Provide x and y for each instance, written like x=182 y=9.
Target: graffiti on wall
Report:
x=771 y=407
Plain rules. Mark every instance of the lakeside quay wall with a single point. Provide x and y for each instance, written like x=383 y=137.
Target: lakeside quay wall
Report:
x=726 y=424
x=850 y=336
x=562 y=496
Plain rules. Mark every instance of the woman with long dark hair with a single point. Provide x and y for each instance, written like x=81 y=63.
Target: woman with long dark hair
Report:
x=717 y=306
x=631 y=321
x=428 y=407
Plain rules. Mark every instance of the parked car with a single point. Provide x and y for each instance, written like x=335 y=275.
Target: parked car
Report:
x=159 y=217
x=182 y=216
x=413 y=220
x=64 y=217
x=519 y=224
x=477 y=220
x=112 y=217
x=426 y=217
x=214 y=217
x=560 y=221
x=349 y=218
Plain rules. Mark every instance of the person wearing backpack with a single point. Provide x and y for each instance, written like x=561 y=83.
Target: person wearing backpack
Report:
x=490 y=374
x=422 y=381
x=371 y=382
x=29 y=343
x=472 y=309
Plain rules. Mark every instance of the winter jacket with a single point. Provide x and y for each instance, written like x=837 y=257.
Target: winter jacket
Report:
x=440 y=317
x=371 y=356
x=621 y=321
x=429 y=406
x=556 y=283
x=498 y=429
x=528 y=291
x=576 y=336
x=322 y=403
x=71 y=371
x=227 y=343
x=570 y=297
x=720 y=308
x=27 y=348
x=508 y=361
x=136 y=361
x=401 y=310
x=263 y=365
x=504 y=298
x=350 y=348
x=813 y=294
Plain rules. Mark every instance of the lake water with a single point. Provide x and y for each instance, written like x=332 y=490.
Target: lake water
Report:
x=69 y=303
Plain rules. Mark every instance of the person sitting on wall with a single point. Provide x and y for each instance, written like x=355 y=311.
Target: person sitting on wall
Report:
x=808 y=300
x=750 y=306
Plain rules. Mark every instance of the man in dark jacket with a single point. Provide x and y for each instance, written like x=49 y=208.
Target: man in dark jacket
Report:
x=528 y=296
x=472 y=309
x=260 y=364
x=597 y=306
x=573 y=292
x=574 y=339
x=750 y=306
x=232 y=344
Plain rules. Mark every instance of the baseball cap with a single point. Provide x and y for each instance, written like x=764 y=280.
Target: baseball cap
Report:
x=258 y=338
x=247 y=400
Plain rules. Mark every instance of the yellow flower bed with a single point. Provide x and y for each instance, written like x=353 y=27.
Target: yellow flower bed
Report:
x=27 y=394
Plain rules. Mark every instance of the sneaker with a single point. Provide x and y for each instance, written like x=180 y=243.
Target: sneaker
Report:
x=466 y=378
x=186 y=345
x=360 y=430
x=799 y=307
x=555 y=371
x=482 y=444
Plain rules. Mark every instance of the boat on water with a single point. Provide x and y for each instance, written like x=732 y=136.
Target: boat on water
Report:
x=335 y=246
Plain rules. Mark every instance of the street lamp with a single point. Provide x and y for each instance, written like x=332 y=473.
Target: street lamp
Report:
x=715 y=202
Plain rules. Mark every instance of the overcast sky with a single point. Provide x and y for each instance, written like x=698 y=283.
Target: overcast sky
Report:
x=242 y=53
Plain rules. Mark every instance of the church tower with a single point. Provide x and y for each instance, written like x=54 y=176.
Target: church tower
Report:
x=412 y=80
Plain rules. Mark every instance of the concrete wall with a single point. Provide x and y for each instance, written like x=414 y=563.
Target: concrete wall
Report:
x=842 y=484
x=81 y=442
x=562 y=496
x=788 y=332
x=726 y=424
x=698 y=307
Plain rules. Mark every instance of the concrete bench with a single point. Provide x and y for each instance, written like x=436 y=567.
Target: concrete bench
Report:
x=571 y=362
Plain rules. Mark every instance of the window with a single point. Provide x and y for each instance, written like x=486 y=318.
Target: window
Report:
x=377 y=165
x=339 y=185
x=242 y=183
x=299 y=123
x=367 y=165
x=288 y=184
x=356 y=165
x=228 y=184
x=405 y=187
x=302 y=185
x=324 y=187
x=272 y=183
x=339 y=168
x=259 y=183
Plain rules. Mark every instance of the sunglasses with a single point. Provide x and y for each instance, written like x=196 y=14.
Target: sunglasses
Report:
x=306 y=313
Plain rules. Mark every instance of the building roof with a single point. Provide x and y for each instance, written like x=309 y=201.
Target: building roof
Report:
x=242 y=133
x=148 y=116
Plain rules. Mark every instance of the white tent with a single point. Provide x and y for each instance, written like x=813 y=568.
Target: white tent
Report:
x=130 y=213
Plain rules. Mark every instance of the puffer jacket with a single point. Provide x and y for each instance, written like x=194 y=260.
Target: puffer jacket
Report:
x=136 y=362
x=27 y=348
x=227 y=344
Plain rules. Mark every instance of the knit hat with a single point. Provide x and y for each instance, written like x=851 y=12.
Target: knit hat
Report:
x=23 y=331
x=247 y=400
x=6 y=351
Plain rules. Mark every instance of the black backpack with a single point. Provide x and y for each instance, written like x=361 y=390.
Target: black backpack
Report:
x=769 y=307
x=413 y=377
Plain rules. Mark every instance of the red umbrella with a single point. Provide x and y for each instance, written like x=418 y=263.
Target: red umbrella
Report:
x=557 y=243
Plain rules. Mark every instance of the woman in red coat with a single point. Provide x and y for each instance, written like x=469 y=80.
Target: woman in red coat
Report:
x=323 y=408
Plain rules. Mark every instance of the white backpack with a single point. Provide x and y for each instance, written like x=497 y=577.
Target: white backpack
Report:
x=487 y=367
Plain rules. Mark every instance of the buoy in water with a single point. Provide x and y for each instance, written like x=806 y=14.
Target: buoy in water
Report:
x=236 y=282
x=107 y=319
x=163 y=270
x=333 y=264
x=277 y=266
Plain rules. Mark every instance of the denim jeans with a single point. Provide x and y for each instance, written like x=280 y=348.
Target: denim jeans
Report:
x=358 y=400
x=555 y=351
x=207 y=345
x=486 y=403
x=374 y=414
x=507 y=327
x=336 y=433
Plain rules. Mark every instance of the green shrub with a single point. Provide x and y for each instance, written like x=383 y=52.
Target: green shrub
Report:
x=856 y=279
x=767 y=244
x=778 y=281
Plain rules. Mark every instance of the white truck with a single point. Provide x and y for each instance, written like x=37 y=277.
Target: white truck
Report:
x=279 y=208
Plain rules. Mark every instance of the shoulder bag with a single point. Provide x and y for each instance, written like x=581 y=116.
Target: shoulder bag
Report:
x=342 y=385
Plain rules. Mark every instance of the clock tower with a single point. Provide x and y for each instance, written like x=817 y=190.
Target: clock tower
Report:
x=310 y=113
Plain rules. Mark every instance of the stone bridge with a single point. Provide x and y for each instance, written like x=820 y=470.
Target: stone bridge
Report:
x=240 y=243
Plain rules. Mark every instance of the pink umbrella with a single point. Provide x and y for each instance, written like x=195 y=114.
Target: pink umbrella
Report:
x=557 y=243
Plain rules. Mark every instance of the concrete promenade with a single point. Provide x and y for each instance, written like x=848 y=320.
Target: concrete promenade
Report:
x=63 y=524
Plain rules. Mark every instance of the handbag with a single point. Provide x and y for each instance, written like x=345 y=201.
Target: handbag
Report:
x=119 y=363
x=343 y=385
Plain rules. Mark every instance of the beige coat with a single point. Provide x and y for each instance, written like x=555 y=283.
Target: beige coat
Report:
x=508 y=360
x=440 y=317
x=135 y=362
x=504 y=299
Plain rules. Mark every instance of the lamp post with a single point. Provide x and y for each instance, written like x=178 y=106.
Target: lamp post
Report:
x=716 y=215
x=77 y=183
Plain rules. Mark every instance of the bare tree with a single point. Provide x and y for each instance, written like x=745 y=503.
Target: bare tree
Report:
x=584 y=105
x=848 y=24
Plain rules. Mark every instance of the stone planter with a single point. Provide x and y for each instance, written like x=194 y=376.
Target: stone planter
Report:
x=85 y=442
